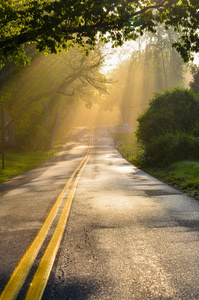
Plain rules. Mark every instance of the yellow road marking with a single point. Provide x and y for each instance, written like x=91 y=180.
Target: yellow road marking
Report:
x=42 y=274
x=20 y=273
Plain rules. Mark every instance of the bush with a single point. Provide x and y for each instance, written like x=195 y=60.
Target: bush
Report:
x=195 y=130
x=169 y=112
x=169 y=148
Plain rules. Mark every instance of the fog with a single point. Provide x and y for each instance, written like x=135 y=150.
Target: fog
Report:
x=151 y=65
x=107 y=88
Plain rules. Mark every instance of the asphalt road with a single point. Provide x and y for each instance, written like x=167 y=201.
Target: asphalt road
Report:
x=129 y=236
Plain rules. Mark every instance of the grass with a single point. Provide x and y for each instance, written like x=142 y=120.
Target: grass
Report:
x=18 y=162
x=183 y=175
x=128 y=147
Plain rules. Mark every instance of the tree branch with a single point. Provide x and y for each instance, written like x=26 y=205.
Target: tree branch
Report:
x=35 y=34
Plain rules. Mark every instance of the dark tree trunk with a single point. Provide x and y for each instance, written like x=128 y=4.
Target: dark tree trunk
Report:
x=55 y=127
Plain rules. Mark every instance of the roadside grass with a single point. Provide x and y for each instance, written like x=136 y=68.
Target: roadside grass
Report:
x=127 y=145
x=19 y=162
x=183 y=175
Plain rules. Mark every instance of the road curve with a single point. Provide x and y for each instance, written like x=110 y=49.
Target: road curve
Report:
x=129 y=236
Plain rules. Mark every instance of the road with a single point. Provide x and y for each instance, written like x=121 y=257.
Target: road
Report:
x=128 y=235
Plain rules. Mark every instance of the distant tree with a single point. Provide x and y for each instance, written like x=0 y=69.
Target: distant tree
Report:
x=59 y=24
x=162 y=60
x=194 y=84
x=35 y=99
x=154 y=65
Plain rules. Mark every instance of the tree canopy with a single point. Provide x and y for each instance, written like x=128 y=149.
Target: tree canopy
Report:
x=59 y=24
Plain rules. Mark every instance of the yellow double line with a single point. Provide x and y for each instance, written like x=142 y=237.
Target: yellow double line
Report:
x=42 y=273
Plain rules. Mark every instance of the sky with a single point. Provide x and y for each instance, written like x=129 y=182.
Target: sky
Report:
x=115 y=56
x=196 y=59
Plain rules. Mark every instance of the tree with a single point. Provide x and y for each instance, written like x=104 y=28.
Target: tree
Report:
x=194 y=84
x=153 y=66
x=58 y=24
x=36 y=99
x=162 y=60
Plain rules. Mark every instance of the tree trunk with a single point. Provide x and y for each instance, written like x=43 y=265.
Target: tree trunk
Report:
x=164 y=69
x=12 y=138
x=2 y=136
x=55 y=127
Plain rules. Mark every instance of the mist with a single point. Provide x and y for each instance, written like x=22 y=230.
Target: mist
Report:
x=152 y=66
x=68 y=90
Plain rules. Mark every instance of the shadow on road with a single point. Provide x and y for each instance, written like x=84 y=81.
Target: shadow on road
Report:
x=72 y=290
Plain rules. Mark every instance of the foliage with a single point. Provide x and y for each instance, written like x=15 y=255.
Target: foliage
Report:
x=169 y=112
x=194 y=84
x=58 y=24
x=128 y=147
x=154 y=65
x=162 y=60
x=169 y=148
x=62 y=136
x=169 y=128
x=50 y=83
x=183 y=175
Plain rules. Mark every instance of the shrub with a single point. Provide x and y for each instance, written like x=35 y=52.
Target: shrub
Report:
x=195 y=130
x=169 y=148
x=169 y=112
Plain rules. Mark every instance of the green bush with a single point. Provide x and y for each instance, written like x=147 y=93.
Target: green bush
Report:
x=169 y=128
x=195 y=130
x=169 y=112
x=169 y=148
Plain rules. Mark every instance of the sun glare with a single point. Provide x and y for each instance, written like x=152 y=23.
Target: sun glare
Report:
x=116 y=56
